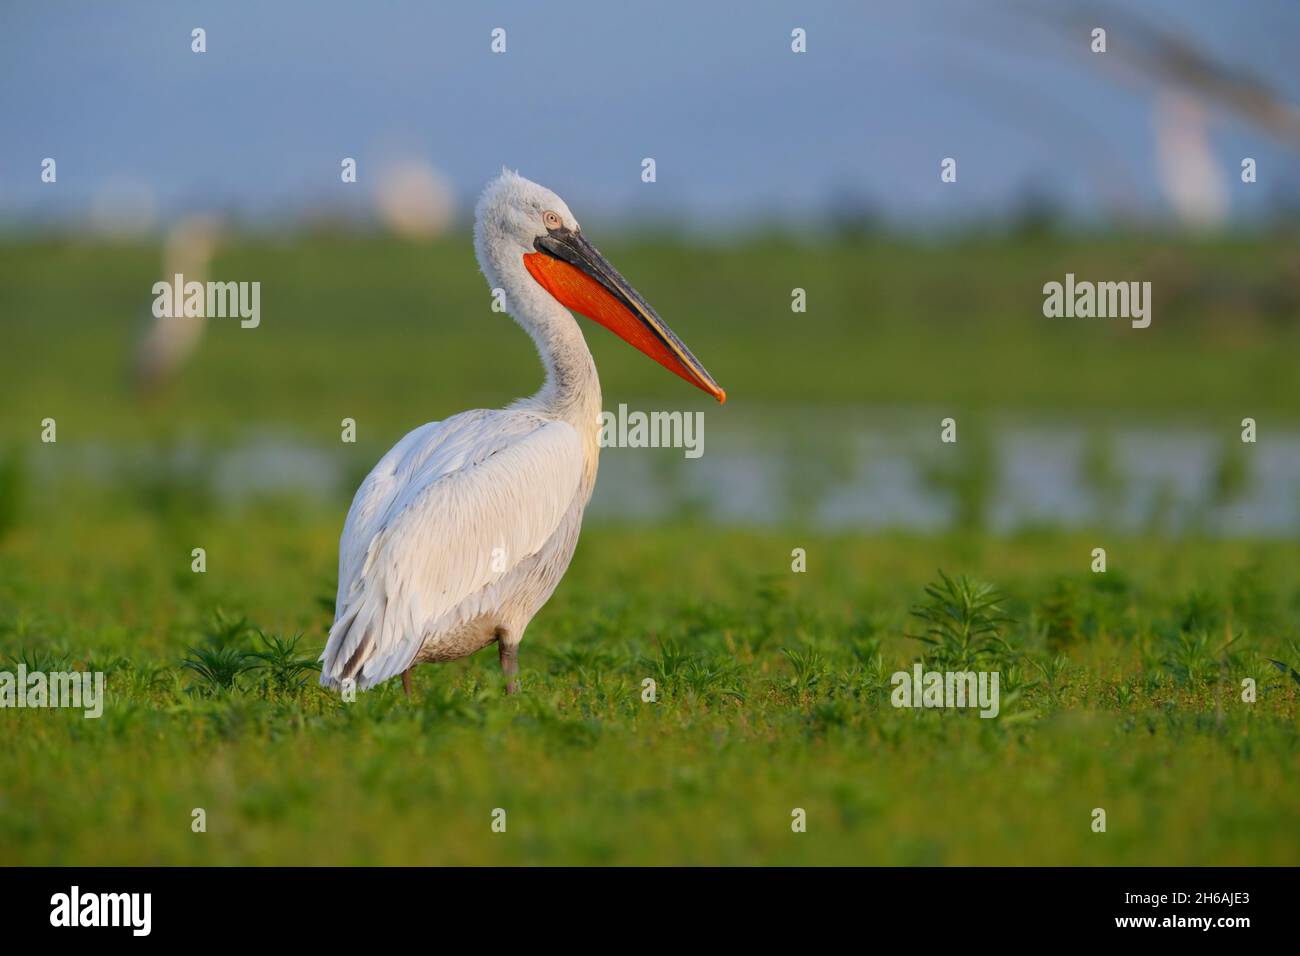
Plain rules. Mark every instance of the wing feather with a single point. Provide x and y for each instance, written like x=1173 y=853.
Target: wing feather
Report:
x=451 y=509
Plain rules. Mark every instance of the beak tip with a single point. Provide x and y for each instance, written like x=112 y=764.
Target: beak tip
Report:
x=722 y=396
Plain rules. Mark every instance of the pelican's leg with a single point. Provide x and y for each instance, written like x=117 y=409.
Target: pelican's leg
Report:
x=406 y=680
x=509 y=662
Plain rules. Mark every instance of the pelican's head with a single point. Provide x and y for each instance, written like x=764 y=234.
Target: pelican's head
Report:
x=517 y=219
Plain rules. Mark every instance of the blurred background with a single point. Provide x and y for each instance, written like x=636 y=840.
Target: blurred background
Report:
x=774 y=171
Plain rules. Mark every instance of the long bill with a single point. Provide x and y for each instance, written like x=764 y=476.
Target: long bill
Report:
x=580 y=278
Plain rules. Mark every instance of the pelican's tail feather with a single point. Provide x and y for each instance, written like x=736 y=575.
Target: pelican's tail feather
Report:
x=350 y=652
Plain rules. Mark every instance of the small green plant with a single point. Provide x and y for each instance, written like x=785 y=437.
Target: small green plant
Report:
x=283 y=669
x=963 y=620
x=218 y=669
x=809 y=668
x=666 y=669
x=1124 y=695
x=1192 y=660
x=1052 y=671
x=710 y=680
x=874 y=676
x=147 y=679
x=41 y=659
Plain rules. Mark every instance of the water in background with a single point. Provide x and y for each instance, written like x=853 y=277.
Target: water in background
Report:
x=833 y=470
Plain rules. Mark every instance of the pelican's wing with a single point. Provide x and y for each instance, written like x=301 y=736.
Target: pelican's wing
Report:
x=449 y=510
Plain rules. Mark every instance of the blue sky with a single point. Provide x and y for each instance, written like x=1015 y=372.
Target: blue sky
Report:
x=741 y=128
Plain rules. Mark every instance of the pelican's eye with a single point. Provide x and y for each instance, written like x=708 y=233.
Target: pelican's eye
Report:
x=552 y=220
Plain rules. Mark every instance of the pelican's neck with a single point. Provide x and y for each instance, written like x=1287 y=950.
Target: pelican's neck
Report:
x=571 y=391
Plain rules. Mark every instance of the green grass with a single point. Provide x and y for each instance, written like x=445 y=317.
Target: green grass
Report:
x=394 y=334
x=1119 y=691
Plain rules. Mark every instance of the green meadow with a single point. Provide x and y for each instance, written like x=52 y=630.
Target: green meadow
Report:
x=394 y=333
x=1120 y=691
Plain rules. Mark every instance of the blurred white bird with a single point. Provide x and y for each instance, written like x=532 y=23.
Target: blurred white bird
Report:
x=413 y=199
x=1189 y=173
x=463 y=530
x=171 y=340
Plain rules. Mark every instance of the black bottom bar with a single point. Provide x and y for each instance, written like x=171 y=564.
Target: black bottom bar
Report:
x=941 y=905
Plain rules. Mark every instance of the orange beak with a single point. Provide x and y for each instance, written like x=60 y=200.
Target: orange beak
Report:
x=580 y=278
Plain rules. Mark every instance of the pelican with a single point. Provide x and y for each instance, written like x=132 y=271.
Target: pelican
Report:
x=463 y=530
x=171 y=340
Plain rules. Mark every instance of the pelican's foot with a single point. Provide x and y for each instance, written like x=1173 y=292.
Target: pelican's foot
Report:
x=509 y=664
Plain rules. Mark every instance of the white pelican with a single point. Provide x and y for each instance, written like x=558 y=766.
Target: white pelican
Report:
x=463 y=530
x=171 y=340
